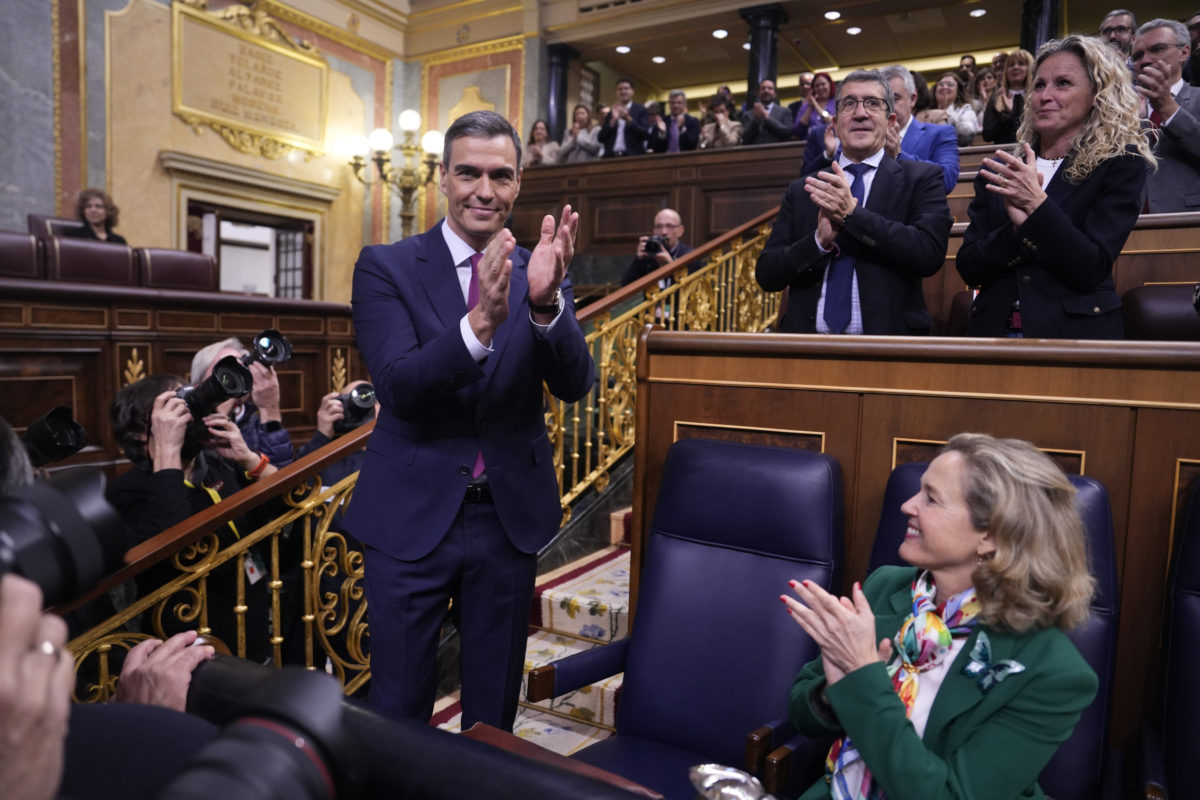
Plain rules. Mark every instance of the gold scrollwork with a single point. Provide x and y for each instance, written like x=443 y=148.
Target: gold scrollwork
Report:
x=241 y=140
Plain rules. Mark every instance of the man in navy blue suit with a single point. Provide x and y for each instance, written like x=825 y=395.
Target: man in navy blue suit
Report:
x=460 y=329
x=909 y=140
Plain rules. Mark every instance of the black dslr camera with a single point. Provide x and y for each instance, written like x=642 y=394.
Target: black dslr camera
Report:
x=358 y=406
x=61 y=534
x=229 y=379
x=54 y=436
x=656 y=242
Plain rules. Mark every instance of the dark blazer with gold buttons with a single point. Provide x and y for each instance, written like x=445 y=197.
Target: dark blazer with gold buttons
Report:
x=897 y=240
x=1058 y=262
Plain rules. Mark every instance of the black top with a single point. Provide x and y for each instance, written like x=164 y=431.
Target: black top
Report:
x=644 y=266
x=85 y=231
x=1001 y=127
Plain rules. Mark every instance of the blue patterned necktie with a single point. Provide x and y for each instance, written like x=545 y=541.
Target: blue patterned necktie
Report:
x=840 y=280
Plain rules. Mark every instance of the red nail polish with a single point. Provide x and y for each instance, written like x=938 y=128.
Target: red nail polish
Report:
x=792 y=584
x=858 y=586
x=783 y=599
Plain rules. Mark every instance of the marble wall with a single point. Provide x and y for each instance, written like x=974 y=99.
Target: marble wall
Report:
x=27 y=100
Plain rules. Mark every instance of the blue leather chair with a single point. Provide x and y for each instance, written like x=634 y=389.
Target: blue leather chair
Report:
x=712 y=652
x=1079 y=770
x=1172 y=768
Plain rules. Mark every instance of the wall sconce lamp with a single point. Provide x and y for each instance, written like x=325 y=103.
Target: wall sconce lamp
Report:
x=407 y=177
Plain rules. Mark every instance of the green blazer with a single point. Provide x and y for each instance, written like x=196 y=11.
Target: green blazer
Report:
x=980 y=745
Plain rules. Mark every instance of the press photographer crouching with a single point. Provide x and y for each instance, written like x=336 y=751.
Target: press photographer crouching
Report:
x=259 y=417
x=186 y=457
x=659 y=249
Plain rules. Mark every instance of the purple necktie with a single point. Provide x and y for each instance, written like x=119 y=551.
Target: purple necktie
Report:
x=839 y=285
x=673 y=138
x=472 y=301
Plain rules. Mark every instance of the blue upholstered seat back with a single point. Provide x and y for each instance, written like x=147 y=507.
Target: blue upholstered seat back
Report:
x=713 y=652
x=1181 y=691
x=1074 y=772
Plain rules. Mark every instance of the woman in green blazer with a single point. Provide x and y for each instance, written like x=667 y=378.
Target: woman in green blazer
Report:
x=953 y=678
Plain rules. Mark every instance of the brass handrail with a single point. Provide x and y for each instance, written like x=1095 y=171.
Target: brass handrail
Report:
x=589 y=437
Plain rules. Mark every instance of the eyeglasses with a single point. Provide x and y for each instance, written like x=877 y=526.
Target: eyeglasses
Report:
x=666 y=226
x=873 y=105
x=1155 y=51
x=947 y=85
x=1111 y=29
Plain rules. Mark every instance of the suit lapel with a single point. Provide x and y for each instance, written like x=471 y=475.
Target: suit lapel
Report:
x=1059 y=188
x=959 y=692
x=912 y=140
x=436 y=271
x=883 y=188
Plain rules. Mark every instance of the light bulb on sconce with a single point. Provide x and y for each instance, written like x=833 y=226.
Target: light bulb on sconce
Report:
x=405 y=176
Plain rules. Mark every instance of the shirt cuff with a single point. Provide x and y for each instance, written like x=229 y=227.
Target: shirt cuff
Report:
x=1167 y=121
x=477 y=349
x=817 y=239
x=540 y=330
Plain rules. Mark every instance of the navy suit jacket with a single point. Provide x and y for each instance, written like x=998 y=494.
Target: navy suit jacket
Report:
x=1059 y=262
x=637 y=130
x=898 y=239
x=934 y=144
x=689 y=137
x=440 y=407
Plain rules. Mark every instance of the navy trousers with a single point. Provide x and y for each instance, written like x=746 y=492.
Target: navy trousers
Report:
x=490 y=583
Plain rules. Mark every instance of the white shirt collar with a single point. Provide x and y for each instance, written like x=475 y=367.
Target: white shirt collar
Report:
x=1176 y=86
x=872 y=160
x=460 y=251
x=904 y=130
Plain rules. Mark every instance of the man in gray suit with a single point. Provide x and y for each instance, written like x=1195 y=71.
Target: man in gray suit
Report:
x=766 y=121
x=1160 y=49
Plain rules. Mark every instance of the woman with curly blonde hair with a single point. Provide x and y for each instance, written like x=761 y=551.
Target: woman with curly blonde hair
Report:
x=978 y=685
x=1003 y=112
x=1049 y=219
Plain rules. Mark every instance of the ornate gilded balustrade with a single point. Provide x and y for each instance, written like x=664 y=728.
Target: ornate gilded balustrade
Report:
x=315 y=609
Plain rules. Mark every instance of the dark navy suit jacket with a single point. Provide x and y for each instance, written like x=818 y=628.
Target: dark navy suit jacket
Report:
x=1059 y=262
x=898 y=239
x=439 y=407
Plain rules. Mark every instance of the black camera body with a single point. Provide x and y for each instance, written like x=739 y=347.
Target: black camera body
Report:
x=656 y=242
x=358 y=407
x=229 y=378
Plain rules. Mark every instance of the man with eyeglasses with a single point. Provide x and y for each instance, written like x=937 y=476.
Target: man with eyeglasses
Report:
x=853 y=243
x=665 y=248
x=1117 y=29
x=1172 y=108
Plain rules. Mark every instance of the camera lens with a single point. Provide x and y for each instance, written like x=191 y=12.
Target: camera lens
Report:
x=62 y=534
x=229 y=379
x=363 y=395
x=53 y=437
x=270 y=347
x=358 y=406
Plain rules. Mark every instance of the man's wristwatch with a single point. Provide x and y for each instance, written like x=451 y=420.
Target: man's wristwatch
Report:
x=551 y=308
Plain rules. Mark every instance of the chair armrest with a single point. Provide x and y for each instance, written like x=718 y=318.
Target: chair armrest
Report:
x=576 y=671
x=762 y=740
x=800 y=760
x=1154 y=769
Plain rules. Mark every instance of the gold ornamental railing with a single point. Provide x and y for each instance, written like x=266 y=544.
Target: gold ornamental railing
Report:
x=310 y=596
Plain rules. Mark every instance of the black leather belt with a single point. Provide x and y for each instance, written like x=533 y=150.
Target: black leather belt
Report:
x=480 y=492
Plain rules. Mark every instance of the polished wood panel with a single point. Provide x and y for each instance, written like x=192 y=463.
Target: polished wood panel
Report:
x=1125 y=413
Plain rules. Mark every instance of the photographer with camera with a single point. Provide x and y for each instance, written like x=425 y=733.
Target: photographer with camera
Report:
x=260 y=418
x=338 y=414
x=659 y=249
x=182 y=464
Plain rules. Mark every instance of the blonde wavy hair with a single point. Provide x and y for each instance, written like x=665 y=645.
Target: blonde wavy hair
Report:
x=1038 y=575
x=1112 y=127
x=1002 y=85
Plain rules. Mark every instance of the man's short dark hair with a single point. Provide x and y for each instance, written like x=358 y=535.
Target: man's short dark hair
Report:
x=482 y=125
x=621 y=80
x=718 y=101
x=870 y=76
